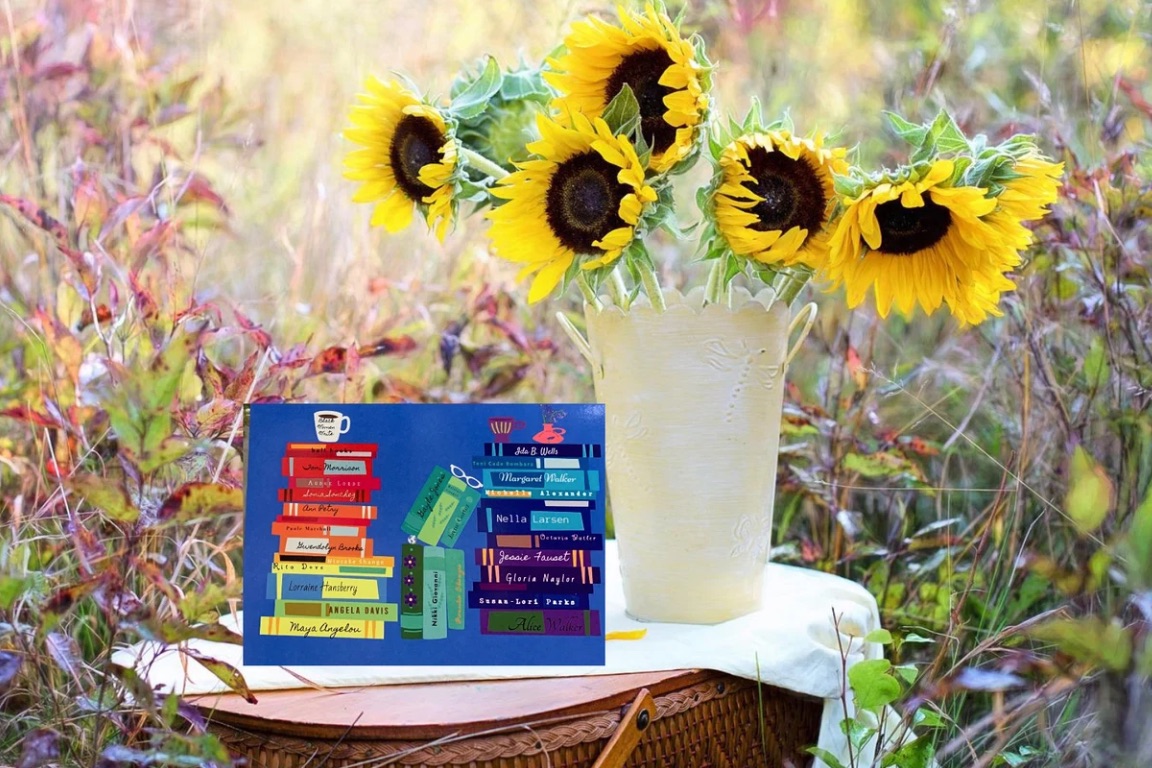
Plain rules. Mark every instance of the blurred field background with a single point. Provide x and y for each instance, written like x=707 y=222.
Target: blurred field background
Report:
x=176 y=239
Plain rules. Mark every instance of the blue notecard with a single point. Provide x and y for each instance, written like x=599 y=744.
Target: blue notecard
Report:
x=424 y=535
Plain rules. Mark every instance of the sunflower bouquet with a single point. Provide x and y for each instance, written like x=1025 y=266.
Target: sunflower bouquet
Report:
x=573 y=163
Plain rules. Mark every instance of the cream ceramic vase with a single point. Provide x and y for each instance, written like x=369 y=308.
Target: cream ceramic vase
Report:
x=693 y=400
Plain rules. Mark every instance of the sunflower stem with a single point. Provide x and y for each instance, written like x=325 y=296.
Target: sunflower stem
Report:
x=791 y=282
x=483 y=164
x=652 y=287
x=587 y=290
x=714 y=288
x=617 y=289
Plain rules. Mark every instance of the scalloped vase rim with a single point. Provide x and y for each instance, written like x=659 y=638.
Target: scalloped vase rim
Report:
x=743 y=300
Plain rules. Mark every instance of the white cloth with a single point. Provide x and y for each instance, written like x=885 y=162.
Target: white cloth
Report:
x=790 y=642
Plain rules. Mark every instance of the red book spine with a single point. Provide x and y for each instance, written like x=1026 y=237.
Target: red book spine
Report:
x=311 y=530
x=324 y=466
x=340 y=483
x=332 y=495
x=343 y=450
x=327 y=521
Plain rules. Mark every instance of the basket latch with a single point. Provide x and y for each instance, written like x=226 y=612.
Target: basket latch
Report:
x=641 y=713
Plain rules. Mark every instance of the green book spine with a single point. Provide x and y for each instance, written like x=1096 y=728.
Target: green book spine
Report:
x=455 y=494
x=426 y=501
x=412 y=592
x=435 y=602
x=460 y=517
x=352 y=610
x=454 y=575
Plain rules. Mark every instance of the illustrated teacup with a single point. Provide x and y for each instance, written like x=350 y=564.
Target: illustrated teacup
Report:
x=330 y=425
x=502 y=427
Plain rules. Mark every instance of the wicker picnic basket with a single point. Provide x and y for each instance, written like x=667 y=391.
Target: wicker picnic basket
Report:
x=703 y=719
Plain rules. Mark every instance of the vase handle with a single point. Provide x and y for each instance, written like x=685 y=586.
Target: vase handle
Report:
x=578 y=338
x=808 y=314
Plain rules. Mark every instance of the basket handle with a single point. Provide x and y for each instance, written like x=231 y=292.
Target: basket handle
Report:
x=641 y=713
x=808 y=314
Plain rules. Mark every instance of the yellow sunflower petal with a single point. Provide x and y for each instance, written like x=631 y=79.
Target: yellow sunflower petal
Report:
x=958 y=261
x=549 y=277
x=380 y=114
x=394 y=213
x=595 y=52
x=527 y=231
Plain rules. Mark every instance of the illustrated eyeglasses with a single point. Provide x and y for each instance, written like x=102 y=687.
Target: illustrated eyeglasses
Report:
x=471 y=481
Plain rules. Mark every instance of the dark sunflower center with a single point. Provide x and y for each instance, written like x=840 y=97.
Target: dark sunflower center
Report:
x=908 y=230
x=792 y=191
x=583 y=201
x=415 y=144
x=642 y=72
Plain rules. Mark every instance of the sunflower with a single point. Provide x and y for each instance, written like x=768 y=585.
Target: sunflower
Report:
x=1025 y=197
x=584 y=194
x=775 y=195
x=408 y=159
x=647 y=53
x=922 y=241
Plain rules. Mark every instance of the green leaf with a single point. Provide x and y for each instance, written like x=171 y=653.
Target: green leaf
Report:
x=169 y=449
x=830 y=759
x=167 y=369
x=106 y=494
x=917 y=753
x=882 y=636
x=1144 y=662
x=1138 y=543
x=909 y=132
x=623 y=113
x=168 y=709
x=201 y=500
x=11 y=587
x=927 y=718
x=1031 y=591
x=883 y=464
x=858 y=734
x=906 y=671
x=872 y=684
x=525 y=84
x=173 y=631
x=1096 y=364
x=640 y=144
x=715 y=148
x=913 y=637
x=227 y=673
x=157 y=429
x=848 y=186
x=960 y=167
x=755 y=117
x=473 y=99
x=1090 y=639
x=1090 y=493
x=946 y=135
x=732 y=267
x=1019 y=757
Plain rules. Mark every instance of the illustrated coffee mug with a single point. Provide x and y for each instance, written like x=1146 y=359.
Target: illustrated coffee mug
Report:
x=330 y=425
x=502 y=426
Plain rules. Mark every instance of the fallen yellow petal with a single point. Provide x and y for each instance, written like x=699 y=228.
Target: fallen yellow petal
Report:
x=627 y=634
